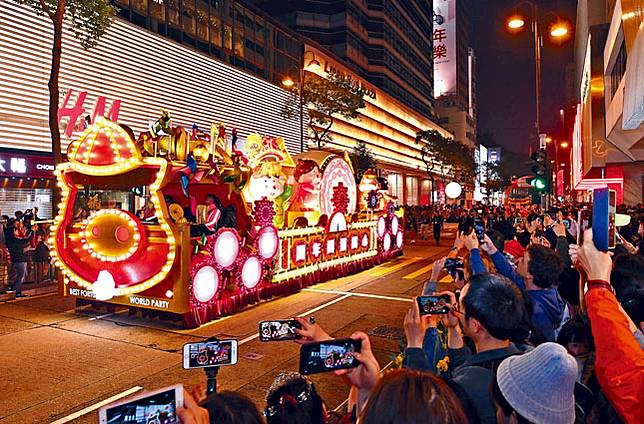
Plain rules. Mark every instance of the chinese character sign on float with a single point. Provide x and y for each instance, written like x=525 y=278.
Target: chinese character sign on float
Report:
x=444 y=47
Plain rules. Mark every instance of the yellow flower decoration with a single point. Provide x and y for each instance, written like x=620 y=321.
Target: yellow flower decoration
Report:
x=443 y=364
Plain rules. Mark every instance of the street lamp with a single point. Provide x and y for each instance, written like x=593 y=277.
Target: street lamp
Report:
x=558 y=30
x=313 y=65
x=563 y=144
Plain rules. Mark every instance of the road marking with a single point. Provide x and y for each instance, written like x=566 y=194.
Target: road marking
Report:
x=310 y=311
x=383 y=271
x=419 y=272
x=350 y=294
x=95 y=406
x=108 y=315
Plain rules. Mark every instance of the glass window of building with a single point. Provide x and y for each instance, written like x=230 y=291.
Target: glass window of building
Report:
x=228 y=37
x=395 y=186
x=157 y=11
x=202 y=20
x=412 y=191
x=189 y=20
x=215 y=29
x=424 y=192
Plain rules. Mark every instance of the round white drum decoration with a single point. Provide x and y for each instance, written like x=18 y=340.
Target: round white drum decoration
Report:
x=399 y=240
x=205 y=284
x=386 y=242
x=251 y=272
x=382 y=226
x=394 y=225
x=268 y=242
x=226 y=248
x=453 y=190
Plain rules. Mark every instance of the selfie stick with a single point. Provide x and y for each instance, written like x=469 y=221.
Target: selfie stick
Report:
x=211 y=373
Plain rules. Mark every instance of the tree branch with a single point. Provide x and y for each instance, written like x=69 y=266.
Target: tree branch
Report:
x=46 y=9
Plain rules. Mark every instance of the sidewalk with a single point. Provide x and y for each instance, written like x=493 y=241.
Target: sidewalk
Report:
x=30 y=289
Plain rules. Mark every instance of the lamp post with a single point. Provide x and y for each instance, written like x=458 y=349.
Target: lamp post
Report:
x=558 y=30
x=312 y=66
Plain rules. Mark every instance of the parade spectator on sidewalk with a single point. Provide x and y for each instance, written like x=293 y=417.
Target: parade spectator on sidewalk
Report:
x=17 y=245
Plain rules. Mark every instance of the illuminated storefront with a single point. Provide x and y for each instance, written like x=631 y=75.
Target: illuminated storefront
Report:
x=26 y=181
x=389 y=130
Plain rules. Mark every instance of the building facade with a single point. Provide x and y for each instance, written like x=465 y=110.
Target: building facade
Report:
x=141 y=66
x=608 y=135
x=388 y=128
x=387 y=43
x=455 y=70
x=140 y=71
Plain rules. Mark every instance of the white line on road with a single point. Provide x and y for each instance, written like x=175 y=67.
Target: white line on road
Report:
x=371 y=296
x=95 y=406
x=322 y=306
x=108 y=315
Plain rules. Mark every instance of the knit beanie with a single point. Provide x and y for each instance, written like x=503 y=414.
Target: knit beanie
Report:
x=540 y=384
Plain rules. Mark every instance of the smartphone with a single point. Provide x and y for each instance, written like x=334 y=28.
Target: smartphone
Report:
x=603 y=218
x=479 y=229
x=566 y=223
x=329 y=355
x=433 y=304
x=209 y=354
x=159 y=406
x=279 y=330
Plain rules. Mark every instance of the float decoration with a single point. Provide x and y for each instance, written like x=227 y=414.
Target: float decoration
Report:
x=149 y=240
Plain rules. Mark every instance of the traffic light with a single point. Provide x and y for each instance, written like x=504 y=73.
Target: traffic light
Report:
x=540 y=170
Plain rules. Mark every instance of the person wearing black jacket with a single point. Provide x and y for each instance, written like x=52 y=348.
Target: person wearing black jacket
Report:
x=492 y=312
x=17 y=243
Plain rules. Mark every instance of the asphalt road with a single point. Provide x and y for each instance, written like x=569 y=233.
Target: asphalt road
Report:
x=60 y=364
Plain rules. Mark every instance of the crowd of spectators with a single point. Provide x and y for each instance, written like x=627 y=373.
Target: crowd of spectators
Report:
x=24 y=251
x=539 y=330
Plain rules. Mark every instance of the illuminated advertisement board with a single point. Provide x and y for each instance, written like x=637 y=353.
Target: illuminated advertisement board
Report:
x=444 y=50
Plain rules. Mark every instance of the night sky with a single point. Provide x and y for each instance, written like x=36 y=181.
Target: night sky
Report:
x=505 y=74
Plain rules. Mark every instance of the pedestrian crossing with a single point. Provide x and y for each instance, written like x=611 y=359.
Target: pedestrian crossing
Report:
x=422 y=272
x=379 y=272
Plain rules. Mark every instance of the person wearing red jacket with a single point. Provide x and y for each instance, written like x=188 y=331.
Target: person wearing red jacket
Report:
x=619 y=363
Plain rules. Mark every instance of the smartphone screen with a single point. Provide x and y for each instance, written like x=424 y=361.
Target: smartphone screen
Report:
x=154 y=407
x=583 y=223
x=279 y=330
x=433 y=304
x=329 y=355
x=566 y=223
x=209 y=354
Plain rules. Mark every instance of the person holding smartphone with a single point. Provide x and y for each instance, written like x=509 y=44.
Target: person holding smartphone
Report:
x=491 y=311
x=619 y=358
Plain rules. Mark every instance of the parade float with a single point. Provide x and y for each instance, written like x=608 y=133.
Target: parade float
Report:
x=193 y=225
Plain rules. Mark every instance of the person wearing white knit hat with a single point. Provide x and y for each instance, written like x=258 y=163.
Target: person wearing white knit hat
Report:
x=536 y=387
